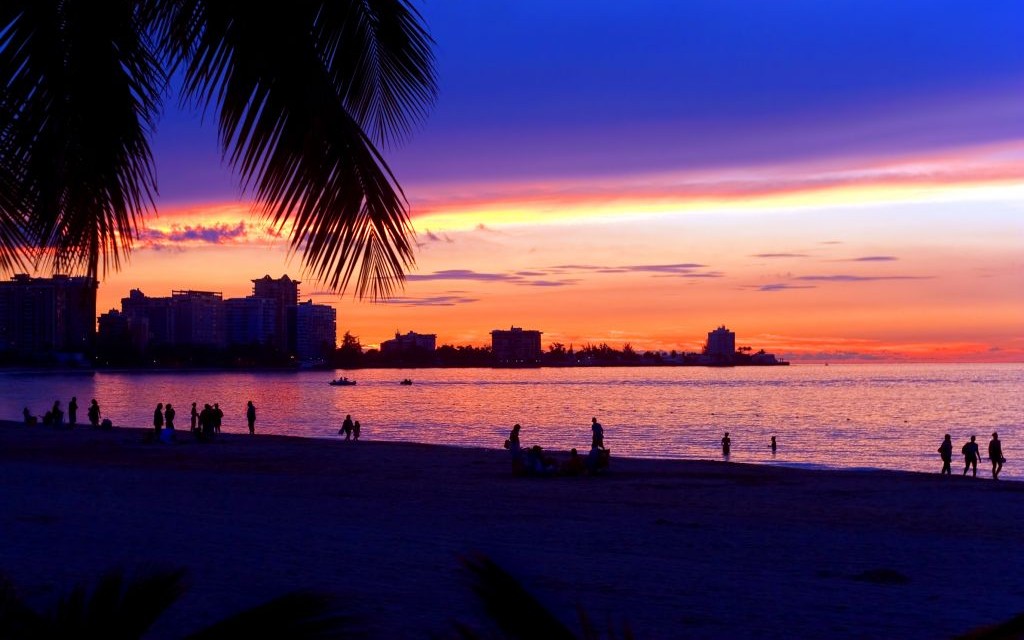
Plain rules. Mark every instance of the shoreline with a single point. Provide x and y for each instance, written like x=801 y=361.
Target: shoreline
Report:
x=667 y=547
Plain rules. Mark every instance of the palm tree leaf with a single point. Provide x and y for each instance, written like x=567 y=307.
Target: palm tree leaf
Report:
x=82 y=88
x=118 y=607
x=296 y=114
x=510 y=605
x=299 y=615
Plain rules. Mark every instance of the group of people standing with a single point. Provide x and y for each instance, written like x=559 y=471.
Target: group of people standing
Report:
x=55 y=416
x=350 y=429
x=204 y=424
x=972 y=455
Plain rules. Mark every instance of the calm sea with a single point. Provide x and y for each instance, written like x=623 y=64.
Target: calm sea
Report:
x=882 y=416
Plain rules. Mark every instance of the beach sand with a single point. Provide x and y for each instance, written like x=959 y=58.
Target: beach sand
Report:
x=670 y=548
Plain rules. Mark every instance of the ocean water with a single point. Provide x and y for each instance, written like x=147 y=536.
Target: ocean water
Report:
x=849 y=416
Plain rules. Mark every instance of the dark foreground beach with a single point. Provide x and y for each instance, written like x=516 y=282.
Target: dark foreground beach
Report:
x=668 y=548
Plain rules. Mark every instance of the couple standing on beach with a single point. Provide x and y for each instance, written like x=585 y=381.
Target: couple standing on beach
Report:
x=972 y=455
x=350 y=429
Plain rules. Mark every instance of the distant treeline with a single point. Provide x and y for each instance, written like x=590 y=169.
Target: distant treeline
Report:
x=352 y=355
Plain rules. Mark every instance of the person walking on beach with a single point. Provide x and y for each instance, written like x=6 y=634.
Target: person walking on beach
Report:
x=971 y=455
x=346 y=427
x=946 y=453
x=597 y=442
x=169 y=416
x=726 y=443
x=158 y=419
x=73 y=411
x=995 y=454
x=195 y=418
x=94 y=414
x=250 y=416
x=356 y=428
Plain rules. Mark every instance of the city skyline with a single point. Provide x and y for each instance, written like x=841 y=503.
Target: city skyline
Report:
x=836 y=188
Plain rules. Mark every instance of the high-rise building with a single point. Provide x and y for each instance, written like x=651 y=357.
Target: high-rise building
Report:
x=198 y=318
x=251 y=320
x=721 y=346
x=409 y=342
x=316 y=331
x=285 y=293
x=516 y=347
x=47 y=315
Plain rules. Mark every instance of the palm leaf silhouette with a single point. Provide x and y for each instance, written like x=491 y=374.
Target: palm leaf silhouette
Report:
x=303 y=93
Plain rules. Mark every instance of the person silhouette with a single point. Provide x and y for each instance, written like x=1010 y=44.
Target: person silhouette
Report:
x=597 y=442
x=218 y=417
x=169 y=416
x=774 y=445
x=195 y=418
x=73 y=411
x=946 y=453
x=250 y=416
x=995 y=454
x=346 y=427
x=971 y=455
x=158 y=419
x=57 y=414
x=726 y=443
x=356 y=428
x=94 y=413
x=513 y=443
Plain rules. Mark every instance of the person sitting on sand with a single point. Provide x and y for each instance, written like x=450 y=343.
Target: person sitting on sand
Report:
x=346 y=427
x=94 y=414
x=73 y=411
x=250 y=417
x=726 y=444
x=574 y=466
x=946 y=453
x=356 y=428
x=537 y=463
x=971 y=455
x=56 y=414
x=995 y=454
x=30 y=420
x=597 y=460
x=597 y=442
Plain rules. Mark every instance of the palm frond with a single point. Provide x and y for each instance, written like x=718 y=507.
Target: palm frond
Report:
x=300 y=615
x=510 y=605
x=119 y=606
x=299 y=94
x=82 y=87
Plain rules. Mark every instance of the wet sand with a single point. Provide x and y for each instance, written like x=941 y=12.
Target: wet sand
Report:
x=669 y=548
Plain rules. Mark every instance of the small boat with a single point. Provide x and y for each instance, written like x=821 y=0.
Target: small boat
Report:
x=342 y=382
x=406 y=382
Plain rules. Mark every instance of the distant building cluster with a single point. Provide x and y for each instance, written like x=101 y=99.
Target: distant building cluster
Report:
x=271 y=317
x=47 y=316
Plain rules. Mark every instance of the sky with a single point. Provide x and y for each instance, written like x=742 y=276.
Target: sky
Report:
x=837 y=181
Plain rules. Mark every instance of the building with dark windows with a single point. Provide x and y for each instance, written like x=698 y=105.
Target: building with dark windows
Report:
x=516 y=347
x=251 y=321
x=284 y=292
x=316 y=331
x=409 y=343
x=47 y=316
x=721 y=346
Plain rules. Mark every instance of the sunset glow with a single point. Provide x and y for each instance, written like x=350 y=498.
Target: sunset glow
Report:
x=880 y=218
